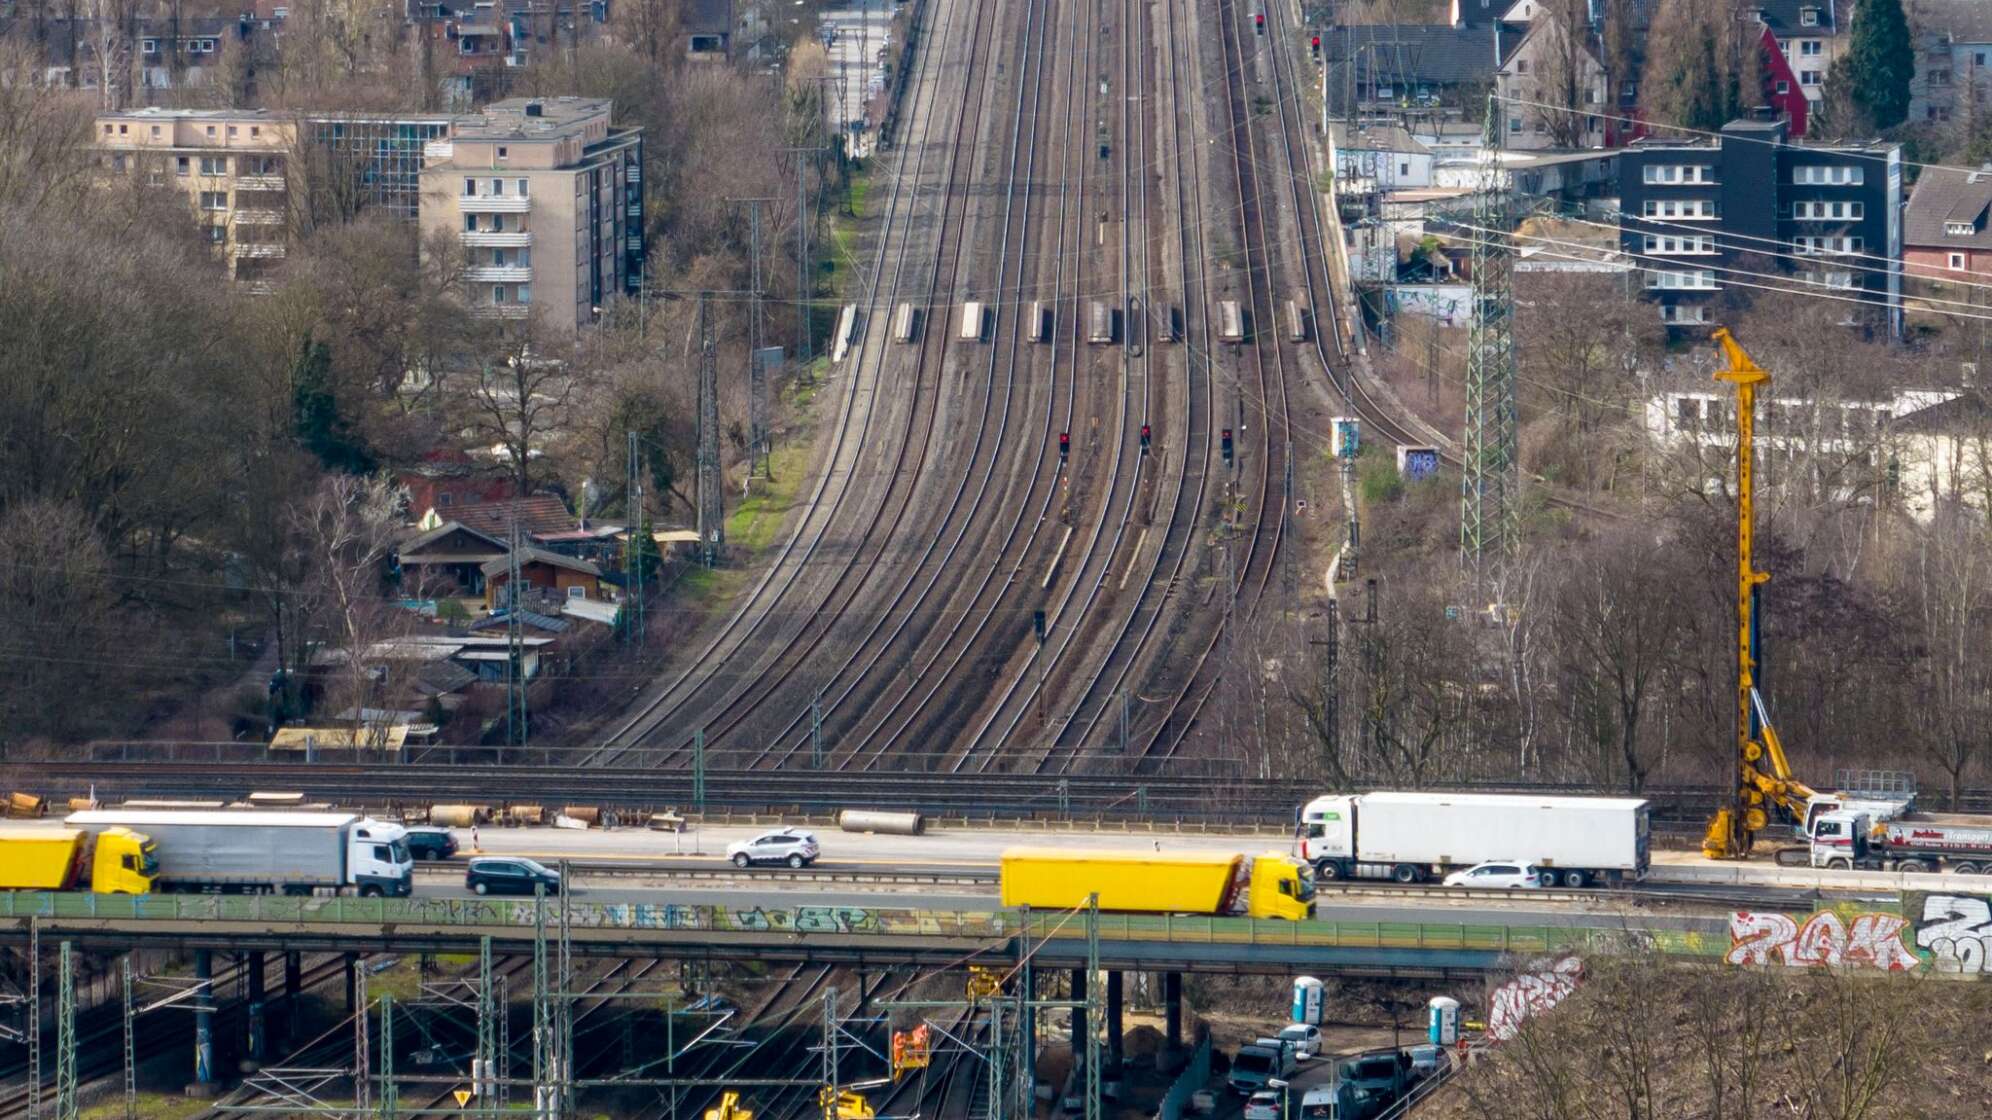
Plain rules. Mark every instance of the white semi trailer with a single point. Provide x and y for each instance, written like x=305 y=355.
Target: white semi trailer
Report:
x=1415 y=837
x=217 y=851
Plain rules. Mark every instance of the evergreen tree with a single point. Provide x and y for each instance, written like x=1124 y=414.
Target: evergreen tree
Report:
x=320 y=427
x=1879 y=62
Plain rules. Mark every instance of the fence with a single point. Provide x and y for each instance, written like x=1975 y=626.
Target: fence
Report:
x=1194 y=1077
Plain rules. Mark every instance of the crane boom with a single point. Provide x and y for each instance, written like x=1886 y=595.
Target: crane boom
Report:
x=1764 y=774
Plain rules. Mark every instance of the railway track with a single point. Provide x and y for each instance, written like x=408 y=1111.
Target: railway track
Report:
x=770 y=625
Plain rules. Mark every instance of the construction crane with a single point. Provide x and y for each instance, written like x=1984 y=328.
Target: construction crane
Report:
x=1764 y=779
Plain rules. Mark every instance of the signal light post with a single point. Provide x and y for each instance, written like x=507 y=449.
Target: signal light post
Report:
x=1146 y=433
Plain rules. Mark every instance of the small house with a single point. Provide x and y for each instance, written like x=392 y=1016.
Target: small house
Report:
x=569 y=577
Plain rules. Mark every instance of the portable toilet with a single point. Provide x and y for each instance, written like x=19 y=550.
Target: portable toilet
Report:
x=1307 y=1001
x=1444 y=1021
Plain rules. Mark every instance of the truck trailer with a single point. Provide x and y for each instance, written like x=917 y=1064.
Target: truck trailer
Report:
x=266 y=853
x=1858 y=840
x=1415 y=837
x=113 y=861
x=1218 y=883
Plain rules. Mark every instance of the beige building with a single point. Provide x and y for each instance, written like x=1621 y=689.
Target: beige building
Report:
x=229 y=163
x=547 y=197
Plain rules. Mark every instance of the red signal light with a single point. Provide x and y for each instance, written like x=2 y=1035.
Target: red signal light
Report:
x=1064 y=445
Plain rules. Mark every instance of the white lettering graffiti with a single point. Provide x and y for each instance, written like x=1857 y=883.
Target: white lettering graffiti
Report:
x=1824 y=940
x=1531 y=993
x=1958 y=933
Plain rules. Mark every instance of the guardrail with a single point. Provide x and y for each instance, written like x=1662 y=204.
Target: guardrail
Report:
x=486 y=914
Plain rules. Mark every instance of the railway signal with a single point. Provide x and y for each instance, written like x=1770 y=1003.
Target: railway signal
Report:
x=1064 y=446
x=1227 y=447
x=1037 y=625
x=1146 y=434
x=1314 y=48
x=1259 y=22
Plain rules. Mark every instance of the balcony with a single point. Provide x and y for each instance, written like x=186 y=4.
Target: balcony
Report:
x=506 y=239
x=635 y=210
x=256 y=249
x=499 y=273
x=501 y=310
x=634 y=243
x=259 y=182
x=438 y=151
x=494 y=203
x=259 y=217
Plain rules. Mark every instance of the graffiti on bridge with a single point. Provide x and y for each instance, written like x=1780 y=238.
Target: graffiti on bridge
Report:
x=1956 y=930
x=1535 y=991
x=1825 y=939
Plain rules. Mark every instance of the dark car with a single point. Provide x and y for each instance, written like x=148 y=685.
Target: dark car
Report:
x=509 y=875
x=426 y=842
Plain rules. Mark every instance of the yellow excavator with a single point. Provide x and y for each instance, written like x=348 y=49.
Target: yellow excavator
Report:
x=1764 y=779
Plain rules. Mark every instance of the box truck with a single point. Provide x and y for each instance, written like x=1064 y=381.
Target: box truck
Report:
x=1414 y=837
x=1857 y=840
x=1218 y=883
x=113 y=861
x=265 y=853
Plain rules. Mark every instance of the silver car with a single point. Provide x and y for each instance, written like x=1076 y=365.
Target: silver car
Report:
x=796 y=848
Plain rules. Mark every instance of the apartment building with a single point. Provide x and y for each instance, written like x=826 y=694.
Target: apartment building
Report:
x=547 y=197
x=1753 y=208
x=231 y=165
x=1801 y=40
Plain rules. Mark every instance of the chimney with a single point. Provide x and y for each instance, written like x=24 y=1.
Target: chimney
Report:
x=535 y=109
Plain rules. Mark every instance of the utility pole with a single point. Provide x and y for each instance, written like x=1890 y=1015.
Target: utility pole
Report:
x=515 y=644
x=639 y=533
x=712 y=502
x=1490 y=511
x=757 y=379
x=805 y=219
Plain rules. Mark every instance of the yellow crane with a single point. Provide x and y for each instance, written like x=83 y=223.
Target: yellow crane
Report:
x=1764 y=776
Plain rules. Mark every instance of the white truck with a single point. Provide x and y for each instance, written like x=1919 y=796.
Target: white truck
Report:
x=1415 y=837
x=1859 y=840
x=241 y=852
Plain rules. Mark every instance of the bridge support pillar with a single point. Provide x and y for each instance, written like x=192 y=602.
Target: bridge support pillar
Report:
x=352 y=982
x=293 y=980
x=1112 y=1010
x=1079 y=1024
x=204 y=1001
x=1172 y=1008
x=258 y=1026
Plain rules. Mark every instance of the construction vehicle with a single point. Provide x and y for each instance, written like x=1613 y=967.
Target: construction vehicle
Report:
x=1765 y=782
x=113 y=861
x=1855 y=840
x=1273 y=885
x=729 y=1108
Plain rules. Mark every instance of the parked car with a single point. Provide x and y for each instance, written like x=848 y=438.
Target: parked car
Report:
x=1306 y=1040
x=509 y=875
x=430 y=842
x=1499 y=875
x=797 y=849
x=1263 y=1105
x=1426 y=1060
x=1260 y=1062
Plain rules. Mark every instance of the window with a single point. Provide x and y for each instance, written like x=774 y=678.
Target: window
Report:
x=214 y=165
x=1669 y=244
x=210 y=132
x=1808 y=77
x=1784 y=87
x=1939 y=77
x=1813 y=246
x=255 y=130
x=1403 y=169
x=1833 y=279
x=497 y=293
x=497 y=188
x=1817 y=175
x=1957 y=262
x=497 y=223
x=523 y=192
x=1978 y=58
x=1695 y=208
x=1687 y=410
x=1808 y=17
x=501 y=151
x=216 y=234
x=1684 y=313
x=470 y=188
x=1699 y=279
x=1699 y=174
x=149 y=46
x=498 y=258
x=525 y=293
x=231 y=132
x=214 y=200
x=1829 y=211
x=1521 y=66
x=1514 y=124
x=155 y=132
x=470 y=223
x=182 y=165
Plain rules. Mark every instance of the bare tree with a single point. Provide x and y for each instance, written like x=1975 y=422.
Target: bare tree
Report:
x=1621 y=627
x=55 y=608
x=345 y=531
x=1951 y=589
x=522 y=398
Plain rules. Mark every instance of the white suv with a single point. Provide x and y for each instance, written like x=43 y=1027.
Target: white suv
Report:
x=1499 y=874
x=797 y=849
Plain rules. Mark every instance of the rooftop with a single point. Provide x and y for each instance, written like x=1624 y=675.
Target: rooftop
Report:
x=534 y=118
x=1965 y=21
x=1375 y=138
x=1946 y=195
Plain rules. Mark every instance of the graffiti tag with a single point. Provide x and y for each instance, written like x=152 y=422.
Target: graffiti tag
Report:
x=1958 y=933
x=1531 y=993
x=1823 y=940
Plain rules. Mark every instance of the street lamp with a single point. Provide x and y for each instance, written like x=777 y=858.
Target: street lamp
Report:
x=1285 y=1089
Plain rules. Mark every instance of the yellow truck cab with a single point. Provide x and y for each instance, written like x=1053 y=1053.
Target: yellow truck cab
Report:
x=1282 y=887
x=114 y=861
